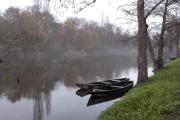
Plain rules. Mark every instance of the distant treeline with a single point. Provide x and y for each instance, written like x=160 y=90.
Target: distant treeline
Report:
x=31 y=31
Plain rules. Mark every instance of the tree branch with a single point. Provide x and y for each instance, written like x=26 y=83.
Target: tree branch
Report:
x=149 y=13
x=86 y=5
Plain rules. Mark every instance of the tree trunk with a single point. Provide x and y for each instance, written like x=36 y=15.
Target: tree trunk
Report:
x=177 y=40
x=151 y=52
x=142 y=43
x=161 y=39
x=177 y=46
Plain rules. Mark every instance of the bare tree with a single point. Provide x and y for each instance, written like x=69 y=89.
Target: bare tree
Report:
x=161 y=38
x=165 y=14
x=142 y=42
x=157 y=8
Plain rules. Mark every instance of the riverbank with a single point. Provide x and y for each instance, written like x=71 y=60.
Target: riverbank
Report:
x=156 y=99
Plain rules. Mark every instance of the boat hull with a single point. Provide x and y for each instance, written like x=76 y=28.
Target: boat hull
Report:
x=101 y=83
x=110 y=91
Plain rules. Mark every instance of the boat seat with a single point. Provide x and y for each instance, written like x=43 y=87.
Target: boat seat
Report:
x=117 y=86
x=116 y=81
x=101 y=90
x=107 y=83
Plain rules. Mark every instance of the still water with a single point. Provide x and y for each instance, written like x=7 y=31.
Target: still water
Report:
x=47 y=91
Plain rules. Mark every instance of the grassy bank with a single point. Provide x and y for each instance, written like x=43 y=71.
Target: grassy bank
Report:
x=156 y=99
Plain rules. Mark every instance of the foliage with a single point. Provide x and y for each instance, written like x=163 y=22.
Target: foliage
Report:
x=32 y=31
x=23 y=29
x=156 y=99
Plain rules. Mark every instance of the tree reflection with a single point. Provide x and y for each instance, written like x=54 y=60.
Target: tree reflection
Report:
x=38 y=109
x=41 y=103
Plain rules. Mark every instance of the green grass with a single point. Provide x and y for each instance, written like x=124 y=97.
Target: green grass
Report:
x=156 y=99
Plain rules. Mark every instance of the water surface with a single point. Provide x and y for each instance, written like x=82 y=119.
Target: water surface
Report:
x=47 y=91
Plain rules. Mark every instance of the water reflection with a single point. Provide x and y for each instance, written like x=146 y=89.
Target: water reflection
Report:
x=38 y=79
x=41 y=103
x=93 y=100
x=81 y=92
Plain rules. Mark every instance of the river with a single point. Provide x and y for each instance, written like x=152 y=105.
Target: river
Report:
x=45 y=89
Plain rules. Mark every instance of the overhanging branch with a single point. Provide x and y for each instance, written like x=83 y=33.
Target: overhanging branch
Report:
x=86 y=3
x=149 y=13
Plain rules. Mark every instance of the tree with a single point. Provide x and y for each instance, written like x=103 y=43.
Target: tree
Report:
x=23 y=29
x=166 y=11
x=161 y=38
x=157 y=8
x=142 y=42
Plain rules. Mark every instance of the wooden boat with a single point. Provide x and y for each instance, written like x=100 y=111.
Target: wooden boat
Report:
x=83 y=92
x=105 y=83
x=112 y=89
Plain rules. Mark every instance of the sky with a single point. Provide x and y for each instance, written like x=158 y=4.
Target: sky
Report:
x=4 y=4
x=107 y=9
